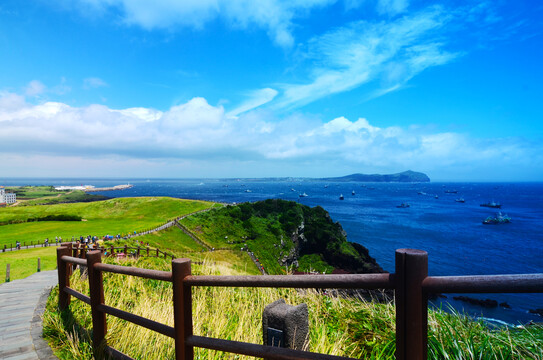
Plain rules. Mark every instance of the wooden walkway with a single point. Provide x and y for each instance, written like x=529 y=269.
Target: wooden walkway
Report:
x=22 y=303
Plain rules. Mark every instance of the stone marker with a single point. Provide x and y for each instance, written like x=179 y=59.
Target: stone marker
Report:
x=285 y=325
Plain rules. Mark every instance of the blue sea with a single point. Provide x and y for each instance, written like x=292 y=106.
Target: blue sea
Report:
x=451 y=232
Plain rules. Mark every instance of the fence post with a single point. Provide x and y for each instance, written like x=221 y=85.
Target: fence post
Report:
x=182 y=309
x=7 y=273
x=157 y=252
x=63 y=269
x=4 y=249
x=96 y=287
x=411 y=304
x=138 y=251
x=147 y=251
x=39 y=265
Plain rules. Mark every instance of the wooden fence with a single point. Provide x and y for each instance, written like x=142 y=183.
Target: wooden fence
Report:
x=410 y=282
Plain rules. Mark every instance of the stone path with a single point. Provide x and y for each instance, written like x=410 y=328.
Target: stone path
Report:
x=22 y=303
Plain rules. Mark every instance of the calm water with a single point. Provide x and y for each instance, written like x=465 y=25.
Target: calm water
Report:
x=451 y=232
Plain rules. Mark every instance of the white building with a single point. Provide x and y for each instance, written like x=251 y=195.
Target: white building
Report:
x=7 y=198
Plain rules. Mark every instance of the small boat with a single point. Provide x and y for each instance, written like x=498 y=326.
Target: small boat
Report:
x=341 y=197
x=403 y=205
x=437 y=197
x=451 y=191
x=303 y=195
x=421 y=193
x=496 y=220
x=353 y=193
x=292 y=189
x=460 y=200
x=325 y=186
x=492 y=204
x=247 y=191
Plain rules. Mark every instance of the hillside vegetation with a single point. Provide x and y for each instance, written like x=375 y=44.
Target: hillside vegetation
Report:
x=337 y=326
x=283 y=234
x=114 y=216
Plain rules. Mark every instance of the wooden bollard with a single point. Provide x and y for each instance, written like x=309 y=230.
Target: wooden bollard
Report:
x=4 y=250
x=39 y=265
x=7 y=273
x=147 y=250
x=157 y=252
x=138 y=251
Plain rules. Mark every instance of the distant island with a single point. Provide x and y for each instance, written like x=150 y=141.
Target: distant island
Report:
x=406 y=176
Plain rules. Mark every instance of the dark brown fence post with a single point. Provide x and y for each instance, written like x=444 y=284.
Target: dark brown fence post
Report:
x=7 y=273
x=126 y=250
x=63 y=269
x=157 y=252
x=39 y=265
x=182 y=309
x=112 y=250
x=147 y=251
x=411 y=304
x=138 y=251
x=96 y=287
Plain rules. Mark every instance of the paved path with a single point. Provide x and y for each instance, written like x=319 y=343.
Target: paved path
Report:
x=21 y=305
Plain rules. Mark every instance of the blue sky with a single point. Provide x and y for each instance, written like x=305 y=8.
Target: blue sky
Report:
x=239 y=88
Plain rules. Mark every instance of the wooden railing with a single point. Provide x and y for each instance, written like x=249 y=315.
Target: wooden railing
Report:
x=410 y=282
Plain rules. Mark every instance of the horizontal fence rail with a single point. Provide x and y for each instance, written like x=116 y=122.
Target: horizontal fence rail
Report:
x=410 y=283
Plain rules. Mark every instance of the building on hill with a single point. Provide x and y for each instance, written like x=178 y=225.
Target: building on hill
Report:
x=6 y=198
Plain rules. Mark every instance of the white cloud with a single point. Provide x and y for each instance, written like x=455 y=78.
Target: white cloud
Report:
x=274 y=16
x=255 y=99
x=35 y=88
x=93 y=82
x=198 y=132
x=363 y=52
x=392 y=7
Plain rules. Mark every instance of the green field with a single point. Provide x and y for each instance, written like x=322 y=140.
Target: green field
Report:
x=114 y=216
x=25 y=262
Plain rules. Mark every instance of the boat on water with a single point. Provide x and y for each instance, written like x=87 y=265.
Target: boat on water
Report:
x=325 y=186
x=292 y=189
x=496 y=220
x=403 y=205
x=451 y=191
x=492 y=204
x=341 y=197
x=353 y=193
x=460 y=200
x=437 y=197
x=303 y=195
x=248 y=191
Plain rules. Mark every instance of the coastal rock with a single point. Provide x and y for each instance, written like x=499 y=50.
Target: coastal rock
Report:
x=536 y=311
x=487 y=303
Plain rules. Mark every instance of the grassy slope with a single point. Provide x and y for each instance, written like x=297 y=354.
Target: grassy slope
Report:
x=121 y=215
x=337 y=326
x=25 y=262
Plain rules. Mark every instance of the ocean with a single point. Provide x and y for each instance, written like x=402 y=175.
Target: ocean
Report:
x=451 y=232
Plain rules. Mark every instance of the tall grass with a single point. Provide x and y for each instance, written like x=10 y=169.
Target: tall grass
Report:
x=338 y=326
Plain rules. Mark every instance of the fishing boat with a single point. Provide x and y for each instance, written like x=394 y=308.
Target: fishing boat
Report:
x=460 y=200
x=492 y=204
x=303 y=195
x=403 y=205
x=341 y=197
x=451 y=191
x=498 y=219
x=353 y=193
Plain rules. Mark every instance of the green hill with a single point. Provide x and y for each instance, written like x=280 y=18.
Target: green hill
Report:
x=283 y=234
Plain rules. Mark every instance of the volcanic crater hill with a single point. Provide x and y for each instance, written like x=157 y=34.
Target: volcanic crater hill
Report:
x=285 y=233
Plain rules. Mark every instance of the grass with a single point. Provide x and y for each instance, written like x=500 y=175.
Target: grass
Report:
x=25 y=262
x=338 y=326
x=121 y=215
